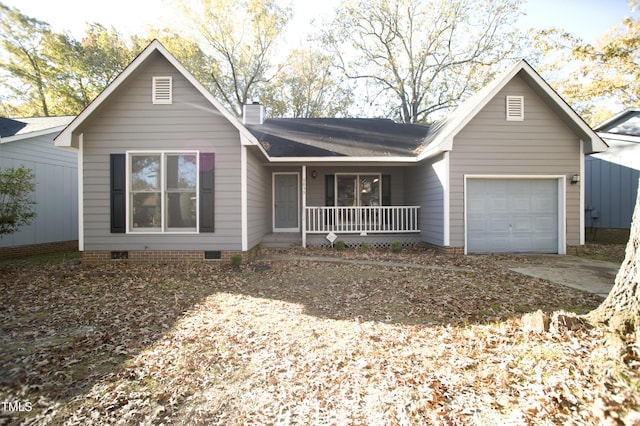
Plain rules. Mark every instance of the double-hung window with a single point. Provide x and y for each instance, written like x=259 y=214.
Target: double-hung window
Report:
x=356 y=190
x=163 y=191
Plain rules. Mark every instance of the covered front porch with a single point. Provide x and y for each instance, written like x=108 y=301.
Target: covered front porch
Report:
x=355 y=204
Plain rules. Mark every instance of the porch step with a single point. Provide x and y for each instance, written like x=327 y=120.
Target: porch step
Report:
x=282 y=240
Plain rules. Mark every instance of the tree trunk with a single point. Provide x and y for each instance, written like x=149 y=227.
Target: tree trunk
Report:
x=621 y=308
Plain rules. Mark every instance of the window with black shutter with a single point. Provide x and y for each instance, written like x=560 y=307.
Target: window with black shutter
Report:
x=162 y=192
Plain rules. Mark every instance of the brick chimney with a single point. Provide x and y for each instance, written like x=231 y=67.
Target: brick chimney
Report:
x=253 y=113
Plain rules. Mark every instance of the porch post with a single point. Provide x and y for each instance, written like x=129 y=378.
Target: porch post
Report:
x=304 y=206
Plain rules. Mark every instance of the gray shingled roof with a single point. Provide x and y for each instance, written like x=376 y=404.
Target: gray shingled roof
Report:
x=332 y=137
x=9 y=127
x=21 y=126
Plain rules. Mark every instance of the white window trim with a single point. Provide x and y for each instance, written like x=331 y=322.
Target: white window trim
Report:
x=357 y=174
x=162 y=100
x=515 y=104
x=163 y=191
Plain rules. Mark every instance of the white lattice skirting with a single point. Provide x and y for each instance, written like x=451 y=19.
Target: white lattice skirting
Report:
x=375 y=241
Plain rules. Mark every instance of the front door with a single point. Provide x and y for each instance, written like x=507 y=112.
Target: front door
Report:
x=285 y=202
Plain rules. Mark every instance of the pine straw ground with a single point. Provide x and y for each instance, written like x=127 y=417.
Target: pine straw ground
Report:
x=303 y=342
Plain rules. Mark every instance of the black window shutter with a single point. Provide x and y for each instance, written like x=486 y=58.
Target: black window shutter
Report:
x=207 y=181
x=386 y=190
x=329 y=190
x=118 y=194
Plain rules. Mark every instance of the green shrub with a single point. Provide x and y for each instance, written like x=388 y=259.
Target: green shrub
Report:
x=340 y=245
x=365 y=246
x=236 y=260
x=396 y=246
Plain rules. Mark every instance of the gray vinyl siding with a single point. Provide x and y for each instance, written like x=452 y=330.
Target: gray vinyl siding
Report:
x=542 y=144
x=316 y=190
x=128 y=121
x=56 y=193
x=259 y=199
x=426 y=189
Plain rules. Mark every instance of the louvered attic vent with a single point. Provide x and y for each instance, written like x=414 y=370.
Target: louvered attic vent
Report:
x=515 y=108
x=162 y=90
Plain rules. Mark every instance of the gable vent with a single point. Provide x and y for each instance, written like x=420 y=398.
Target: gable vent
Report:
x=515 y=108
x=162 y=90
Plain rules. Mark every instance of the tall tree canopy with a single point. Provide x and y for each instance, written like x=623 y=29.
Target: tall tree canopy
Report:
x=26 y=64
x=47 y=73
x=240 y=37
x=308 y=86
x=597 y=79
x=423 y=56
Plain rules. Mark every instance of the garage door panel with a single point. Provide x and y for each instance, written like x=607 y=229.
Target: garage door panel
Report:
x=512 y=215
x=522 y=224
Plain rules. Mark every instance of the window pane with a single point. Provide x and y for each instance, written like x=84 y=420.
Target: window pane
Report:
x=181 y=171
x=145 y=172
x=146 y=210
x=181 y=210
x=346 y=191
x=369 y=190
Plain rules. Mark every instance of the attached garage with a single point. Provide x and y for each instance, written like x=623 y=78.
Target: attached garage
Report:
x=514 y=214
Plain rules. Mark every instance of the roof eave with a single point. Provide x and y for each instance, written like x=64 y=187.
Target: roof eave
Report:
x=32 y=134
x=343 y=159
x=585 y=132
x=615 y=118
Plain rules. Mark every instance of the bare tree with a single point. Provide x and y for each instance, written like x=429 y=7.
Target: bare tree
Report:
x=240 y=36
x=423 y=56
x=308 y=87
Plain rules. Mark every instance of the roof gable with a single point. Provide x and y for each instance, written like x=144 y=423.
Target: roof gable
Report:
x=65 y=138
x=443 y=132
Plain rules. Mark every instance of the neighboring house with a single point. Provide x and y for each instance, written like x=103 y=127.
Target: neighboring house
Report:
x=612 y=176
x=167 y=173
x=29 y=142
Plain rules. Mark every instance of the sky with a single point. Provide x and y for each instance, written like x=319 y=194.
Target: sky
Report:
x=587 y=19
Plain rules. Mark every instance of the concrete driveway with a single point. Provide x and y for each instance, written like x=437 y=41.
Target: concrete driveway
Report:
x=593 y=276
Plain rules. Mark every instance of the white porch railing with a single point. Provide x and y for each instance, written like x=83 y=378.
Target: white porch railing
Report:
x=385 y=219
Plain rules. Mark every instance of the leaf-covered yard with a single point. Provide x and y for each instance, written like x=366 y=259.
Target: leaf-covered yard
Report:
x=422 y=339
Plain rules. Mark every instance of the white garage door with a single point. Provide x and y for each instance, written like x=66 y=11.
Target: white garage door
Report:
x=512 y=215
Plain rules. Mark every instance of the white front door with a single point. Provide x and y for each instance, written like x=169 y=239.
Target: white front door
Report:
x=286 y=203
